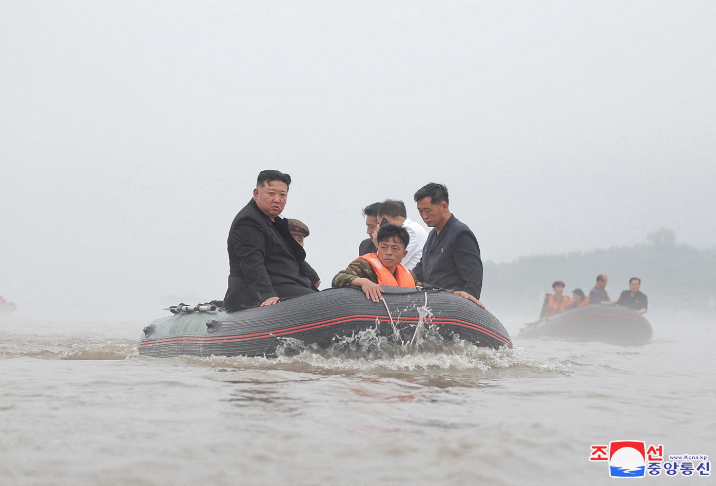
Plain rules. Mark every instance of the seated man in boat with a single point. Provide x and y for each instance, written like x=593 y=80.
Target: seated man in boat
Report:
x=598 y=294
x=554 y=303
x=578 y=300
x=371 y=225
x=299 y=231
x=265 y=261
x=395 y=213
x=384 y=268
x=451 y=255
x=633 y=298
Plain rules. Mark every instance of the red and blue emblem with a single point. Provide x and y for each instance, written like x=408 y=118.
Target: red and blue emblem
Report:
x=627 y=459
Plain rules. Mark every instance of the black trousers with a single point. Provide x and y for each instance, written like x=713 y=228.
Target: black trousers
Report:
x=239 y=297
x=287 y=291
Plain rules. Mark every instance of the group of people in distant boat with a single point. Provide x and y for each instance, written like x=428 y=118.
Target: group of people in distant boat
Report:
x=267 y=259
x=557 y=302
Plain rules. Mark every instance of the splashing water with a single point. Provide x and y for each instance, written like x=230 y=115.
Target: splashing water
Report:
x=423 y=313
x=421 y=348
x=369 y=351
x=65 y=348
x=100 y=350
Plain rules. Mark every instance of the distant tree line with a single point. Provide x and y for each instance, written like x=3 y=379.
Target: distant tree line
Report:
x=672 y=274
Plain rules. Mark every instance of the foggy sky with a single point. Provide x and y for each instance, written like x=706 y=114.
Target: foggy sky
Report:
x=132 y=132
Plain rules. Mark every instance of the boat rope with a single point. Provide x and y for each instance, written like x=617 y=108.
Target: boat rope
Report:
x=419 y=325
x=396 y=334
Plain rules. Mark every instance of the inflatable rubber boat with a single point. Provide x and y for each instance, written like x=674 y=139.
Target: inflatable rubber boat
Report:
x=607 y=324
x=322 y=319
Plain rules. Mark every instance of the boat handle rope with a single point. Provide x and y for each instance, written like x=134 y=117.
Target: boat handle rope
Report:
x=396 y=334
x=395 y=329
x=420 y=323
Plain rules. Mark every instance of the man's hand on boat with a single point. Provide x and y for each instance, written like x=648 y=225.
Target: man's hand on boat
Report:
x=469 y=297
x=270 y=301
x=371 y=289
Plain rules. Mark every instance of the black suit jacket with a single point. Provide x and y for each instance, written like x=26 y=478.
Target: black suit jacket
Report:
x=451 y=259
x=366 y=246
x=262 y=254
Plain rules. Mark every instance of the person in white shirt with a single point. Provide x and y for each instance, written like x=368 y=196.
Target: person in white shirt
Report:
x=394 y=212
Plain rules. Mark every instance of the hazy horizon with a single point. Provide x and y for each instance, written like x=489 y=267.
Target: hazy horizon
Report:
x=132 y=132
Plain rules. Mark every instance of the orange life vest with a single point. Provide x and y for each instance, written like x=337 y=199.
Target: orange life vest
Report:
x=402 y=276
x=553 y=307
x=574 y=305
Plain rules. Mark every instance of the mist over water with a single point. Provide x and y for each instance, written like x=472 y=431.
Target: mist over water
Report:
x=132 y=133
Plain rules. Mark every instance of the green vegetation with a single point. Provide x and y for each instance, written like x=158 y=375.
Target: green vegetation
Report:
x=672 y=275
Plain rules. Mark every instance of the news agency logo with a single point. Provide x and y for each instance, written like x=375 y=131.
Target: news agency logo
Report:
x=633 y=459
x=627 y=459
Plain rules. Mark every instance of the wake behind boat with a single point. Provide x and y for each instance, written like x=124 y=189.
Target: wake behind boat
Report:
x=615 y=325
x=322 y=319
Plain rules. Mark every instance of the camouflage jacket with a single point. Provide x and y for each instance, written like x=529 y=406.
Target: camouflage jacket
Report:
x=360 y=268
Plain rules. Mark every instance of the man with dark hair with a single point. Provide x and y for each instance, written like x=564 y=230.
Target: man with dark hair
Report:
x=371 y=224
x=384 y=268
x=266 y=263
x=633 y=298
x=554 y=303
x=598 y=295
x=394 y=212
x=451 y=255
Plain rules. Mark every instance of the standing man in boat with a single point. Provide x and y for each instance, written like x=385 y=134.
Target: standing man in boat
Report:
x=451 y=255
x=633 y=298
x=598 y=295
x=266 y=263
x=554 y=303
x=395 y=213
x=371 y=224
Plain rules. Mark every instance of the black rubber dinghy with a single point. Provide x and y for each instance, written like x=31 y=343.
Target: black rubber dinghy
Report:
x=607 y=324
x=321 y=318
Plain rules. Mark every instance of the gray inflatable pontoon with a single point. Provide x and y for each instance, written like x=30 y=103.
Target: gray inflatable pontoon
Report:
x=607 y=324
x=322 y=319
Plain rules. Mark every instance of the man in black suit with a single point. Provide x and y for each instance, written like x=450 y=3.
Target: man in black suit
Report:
x=633 y=298
x=266 y=263
x=451 y=255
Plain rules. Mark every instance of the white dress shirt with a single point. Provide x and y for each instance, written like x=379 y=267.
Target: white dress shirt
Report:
x=418 y=237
